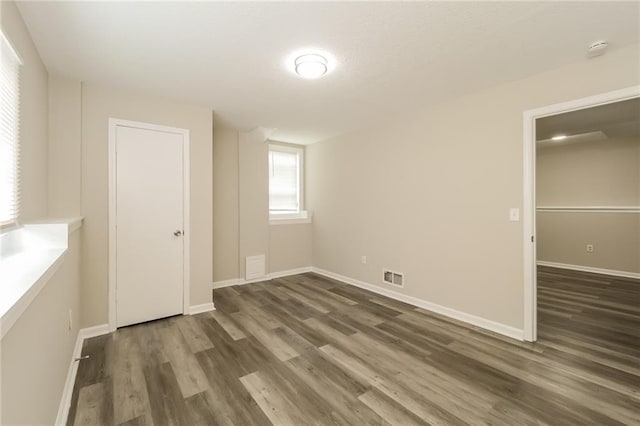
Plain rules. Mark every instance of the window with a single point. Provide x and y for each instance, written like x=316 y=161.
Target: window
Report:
x=9 y=133
x=286 y=182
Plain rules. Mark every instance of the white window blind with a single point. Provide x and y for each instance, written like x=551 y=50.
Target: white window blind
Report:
x=284 y=180
x=9 y=133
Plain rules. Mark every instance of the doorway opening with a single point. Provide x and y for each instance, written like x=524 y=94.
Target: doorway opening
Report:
x=543 y=129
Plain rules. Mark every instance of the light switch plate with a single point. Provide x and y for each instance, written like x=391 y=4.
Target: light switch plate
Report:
x=514 y=214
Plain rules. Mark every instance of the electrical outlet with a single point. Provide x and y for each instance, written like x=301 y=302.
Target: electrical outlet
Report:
x=589 y=248
x=363 y=260
x=70 y=319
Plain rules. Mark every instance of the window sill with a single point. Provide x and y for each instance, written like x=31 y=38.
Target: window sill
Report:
x=29 y=258
x=290 y=219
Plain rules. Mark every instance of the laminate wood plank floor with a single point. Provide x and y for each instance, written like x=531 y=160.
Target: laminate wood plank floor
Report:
x=306 y=350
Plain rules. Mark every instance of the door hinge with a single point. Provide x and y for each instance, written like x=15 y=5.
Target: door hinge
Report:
x=532 y=239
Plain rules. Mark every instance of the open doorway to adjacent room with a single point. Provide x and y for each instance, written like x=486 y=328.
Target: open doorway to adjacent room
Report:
x=582 y=224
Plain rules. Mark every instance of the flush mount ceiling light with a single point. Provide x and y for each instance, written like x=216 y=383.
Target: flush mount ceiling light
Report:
x=559 y=137
x=311 y=65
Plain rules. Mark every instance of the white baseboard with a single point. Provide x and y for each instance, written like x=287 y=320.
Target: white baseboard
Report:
x=289 y=272
x=270 y=276
x=67 y=392
x=581 y=268
x=496 y=327
x=96 y=330
x=198 y=309
x=225 y=283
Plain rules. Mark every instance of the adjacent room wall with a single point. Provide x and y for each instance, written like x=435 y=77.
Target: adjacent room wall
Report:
x=599 y=173
x=33 y=116
x=430 y=195
x=225 y=201
x=241 y=210
x=98 y=105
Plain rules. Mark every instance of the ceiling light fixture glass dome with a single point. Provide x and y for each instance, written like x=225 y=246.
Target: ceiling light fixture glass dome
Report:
x=311 y=66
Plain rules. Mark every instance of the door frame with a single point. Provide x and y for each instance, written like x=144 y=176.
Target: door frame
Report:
x=113 y=124
x=530 y=330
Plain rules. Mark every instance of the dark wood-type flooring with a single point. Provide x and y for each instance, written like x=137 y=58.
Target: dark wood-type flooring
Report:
x=307 y=350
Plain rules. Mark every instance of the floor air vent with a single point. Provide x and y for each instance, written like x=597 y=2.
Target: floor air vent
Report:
x=393 y=278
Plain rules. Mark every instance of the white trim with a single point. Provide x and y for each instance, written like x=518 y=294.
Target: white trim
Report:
x=186 y=284
x=588 y=209
x=289 y=272
x=494 y=326
x=186 y=221
x=530 y=328
x=73 y=223
x=67 y=392
x=96 y=330
x=239 y=281
x=225 y=283
x=198 y=309
x=290 y=218
x=529 y=213
x=602 y=271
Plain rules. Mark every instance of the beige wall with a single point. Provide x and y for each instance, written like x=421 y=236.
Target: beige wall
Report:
x=253 y=186
x=429 y=195
x=601 y=173
x=33 y=116
x=563 y=238
x=65 y=151
x=98 y=105
x=290 y=246
x=225 y=201
x=37 y=351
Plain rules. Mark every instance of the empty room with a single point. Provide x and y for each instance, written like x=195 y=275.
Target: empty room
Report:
x=315 y=213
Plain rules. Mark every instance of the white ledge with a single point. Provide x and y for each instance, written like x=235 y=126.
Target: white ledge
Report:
x=290 y=218
x=73 y=223
x=29 y=257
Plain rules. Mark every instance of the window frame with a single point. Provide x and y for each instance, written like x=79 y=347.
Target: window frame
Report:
x=301 y=214
x=13 y=223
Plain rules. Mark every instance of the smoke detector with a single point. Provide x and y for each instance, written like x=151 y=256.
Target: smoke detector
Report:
x=597 y=48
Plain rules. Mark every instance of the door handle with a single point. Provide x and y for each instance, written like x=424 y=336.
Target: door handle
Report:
x=177 y=233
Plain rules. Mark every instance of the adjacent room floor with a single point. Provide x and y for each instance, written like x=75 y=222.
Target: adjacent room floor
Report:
x=307 y=350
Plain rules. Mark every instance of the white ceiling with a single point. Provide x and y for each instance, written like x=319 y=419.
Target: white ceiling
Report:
x=390 y=57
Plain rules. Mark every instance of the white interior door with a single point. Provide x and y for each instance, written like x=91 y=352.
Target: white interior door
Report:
x=149 y=224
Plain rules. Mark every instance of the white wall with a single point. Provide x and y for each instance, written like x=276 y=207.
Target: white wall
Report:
x=98 y=105
x=429 y=195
